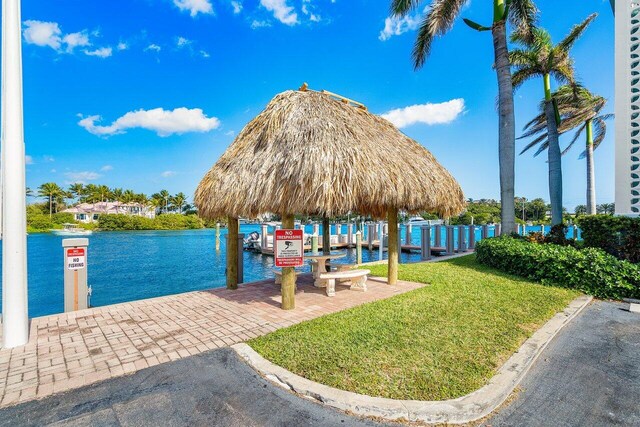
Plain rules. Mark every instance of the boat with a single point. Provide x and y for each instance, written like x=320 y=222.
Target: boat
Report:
x=71 y=230
x=418 y=220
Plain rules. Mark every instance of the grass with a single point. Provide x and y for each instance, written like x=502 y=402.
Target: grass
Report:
x=438 y=342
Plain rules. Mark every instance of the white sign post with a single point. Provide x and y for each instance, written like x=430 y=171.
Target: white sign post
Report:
x=76 y=290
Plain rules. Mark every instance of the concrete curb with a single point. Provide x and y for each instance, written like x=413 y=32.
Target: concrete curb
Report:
x=471 y=407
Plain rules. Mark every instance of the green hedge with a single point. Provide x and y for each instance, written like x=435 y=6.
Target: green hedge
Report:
x=589 y=270
x=617 y=235
x=162 y=222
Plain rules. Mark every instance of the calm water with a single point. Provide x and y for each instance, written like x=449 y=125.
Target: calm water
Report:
x=133 y=265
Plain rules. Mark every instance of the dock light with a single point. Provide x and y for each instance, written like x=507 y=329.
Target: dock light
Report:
x=15 y=317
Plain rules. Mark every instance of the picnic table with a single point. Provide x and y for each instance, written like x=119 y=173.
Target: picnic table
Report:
x=319 y=261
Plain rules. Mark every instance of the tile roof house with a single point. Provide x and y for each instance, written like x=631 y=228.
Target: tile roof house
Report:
x=89 y=212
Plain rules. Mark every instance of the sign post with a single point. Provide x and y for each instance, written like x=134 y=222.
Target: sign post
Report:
x=288 y=248
x=76 y=290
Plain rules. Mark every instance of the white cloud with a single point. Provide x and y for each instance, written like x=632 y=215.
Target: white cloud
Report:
x=49 y=158
x=163 y=122
x=28 y=160
x=122 y=46
x=74 y=40
x=154 y=47
x=194 y=6
x=395 y=26
x=103 y=52
x=43 y=33
x=53 y=171
x=281 y=11
x=259 y=24
x=230 y=133
x=82 y=176
x=167 y=174
x=182 y=42
x=106 y=168
x=306 y=9
x=237 y=7
x=431 y=114
x=204 y=54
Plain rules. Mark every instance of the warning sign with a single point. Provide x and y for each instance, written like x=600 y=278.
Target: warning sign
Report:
x=288 y=248
x=76 y=258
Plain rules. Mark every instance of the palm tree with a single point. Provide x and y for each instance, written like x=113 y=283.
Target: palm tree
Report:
x=91 y=194
x=439 y=19
x=179 y=200
x=539 y=57
x=581 y=109
x=50 y=190
x=77 y=189
x=116 y=194
x=29 y=192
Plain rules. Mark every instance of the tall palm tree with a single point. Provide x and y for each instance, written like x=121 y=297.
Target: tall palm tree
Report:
x=539 y=57
x=116 y=194
x=77 y=189
x=439 y=19
x=179 y=201
x=91 y=194
x=50 y=190
x=581 y=109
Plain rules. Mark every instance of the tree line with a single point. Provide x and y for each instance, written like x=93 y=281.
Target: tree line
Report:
x=524 y=51
x=59 y=198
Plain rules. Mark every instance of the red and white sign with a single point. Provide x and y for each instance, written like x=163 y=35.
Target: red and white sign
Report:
x=289 y=251
x=76 y=258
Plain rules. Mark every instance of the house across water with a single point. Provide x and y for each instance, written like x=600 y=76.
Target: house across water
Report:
x=90 y=212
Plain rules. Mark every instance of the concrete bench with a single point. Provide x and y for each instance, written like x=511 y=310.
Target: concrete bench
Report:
x=357 y=278
x=341 y=267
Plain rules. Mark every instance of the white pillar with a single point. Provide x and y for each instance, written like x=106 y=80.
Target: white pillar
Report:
x=15 y=322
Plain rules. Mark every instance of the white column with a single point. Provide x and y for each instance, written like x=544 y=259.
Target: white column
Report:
x=15 y=314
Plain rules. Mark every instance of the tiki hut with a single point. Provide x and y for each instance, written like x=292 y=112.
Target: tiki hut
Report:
x=316 y=153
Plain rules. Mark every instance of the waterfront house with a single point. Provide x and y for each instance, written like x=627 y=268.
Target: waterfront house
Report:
x=90 y=212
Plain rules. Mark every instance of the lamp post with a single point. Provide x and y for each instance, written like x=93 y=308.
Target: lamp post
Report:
x=15 y=322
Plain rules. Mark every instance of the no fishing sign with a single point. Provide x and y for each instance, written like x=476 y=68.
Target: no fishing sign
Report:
x=288 y=248
x=75 y=258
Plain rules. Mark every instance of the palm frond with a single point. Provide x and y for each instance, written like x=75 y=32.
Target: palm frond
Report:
x=523 y=15
x=575 y=138
x=439 y=19
x=400 y=8
x=567 y=43
x=521 y=75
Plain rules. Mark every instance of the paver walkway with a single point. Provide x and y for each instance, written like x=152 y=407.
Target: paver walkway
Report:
x=67 y=351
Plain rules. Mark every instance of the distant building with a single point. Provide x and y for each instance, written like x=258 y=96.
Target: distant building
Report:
x=90 y=212
x=627 y=106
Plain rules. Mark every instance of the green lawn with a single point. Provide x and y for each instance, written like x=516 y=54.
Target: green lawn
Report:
x=438 y=342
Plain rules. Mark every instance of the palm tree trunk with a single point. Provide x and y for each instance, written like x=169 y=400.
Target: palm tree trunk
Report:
x=555 y=164
x=591 y=177
x=50 y=205
x=507 y=130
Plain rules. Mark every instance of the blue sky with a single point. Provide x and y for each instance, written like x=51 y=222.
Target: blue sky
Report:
x=147 y=94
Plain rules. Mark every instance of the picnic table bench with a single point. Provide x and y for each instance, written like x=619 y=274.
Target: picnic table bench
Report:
x=357 y=279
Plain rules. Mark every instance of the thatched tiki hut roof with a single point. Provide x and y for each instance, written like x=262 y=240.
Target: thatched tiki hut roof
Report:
x=308 y=153
x=317 y=154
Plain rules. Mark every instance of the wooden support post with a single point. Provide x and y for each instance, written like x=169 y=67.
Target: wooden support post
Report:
x=349 y=234
x=232 y=253
x=326 y=236
x=407 y=240
x=217 y=236
x=392 y=246
x=438 y=236
x=288 y=287
x=359 y=247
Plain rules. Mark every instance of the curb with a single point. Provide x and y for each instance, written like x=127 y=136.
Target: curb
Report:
x=470 y=407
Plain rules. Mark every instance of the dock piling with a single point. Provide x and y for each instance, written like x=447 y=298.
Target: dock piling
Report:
x=450 y=248
x=425 y=242
x=359 y=247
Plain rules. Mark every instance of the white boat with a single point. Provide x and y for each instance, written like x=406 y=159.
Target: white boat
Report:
x=418 y=220
x=71 y=230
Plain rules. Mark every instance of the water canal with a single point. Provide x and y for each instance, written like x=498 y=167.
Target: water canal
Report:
x=133 y=265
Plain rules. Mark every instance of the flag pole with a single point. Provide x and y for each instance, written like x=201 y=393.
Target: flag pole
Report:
x=15 y=317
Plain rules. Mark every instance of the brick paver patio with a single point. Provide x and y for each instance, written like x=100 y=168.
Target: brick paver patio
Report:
x=67 y=351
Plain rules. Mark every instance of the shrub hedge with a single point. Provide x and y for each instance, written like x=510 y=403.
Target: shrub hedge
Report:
x=617 y=235
x=589 y=270
x=162 y=222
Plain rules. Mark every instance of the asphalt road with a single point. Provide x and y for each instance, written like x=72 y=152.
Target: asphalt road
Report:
x=212 y=389
x=589 y=375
